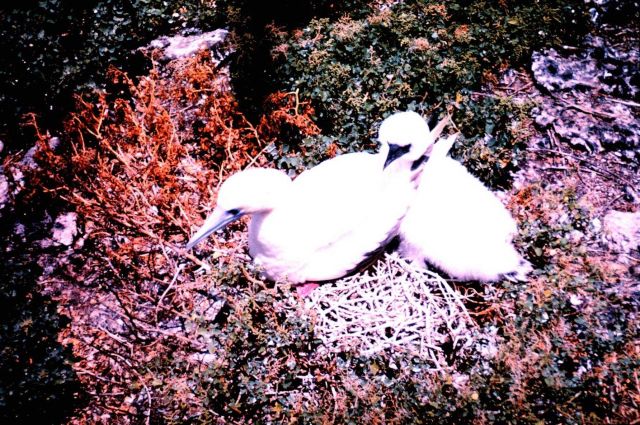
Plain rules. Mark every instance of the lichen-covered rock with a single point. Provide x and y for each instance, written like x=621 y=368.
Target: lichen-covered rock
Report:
x=555 y=72
x=65 y=229
x=616 y=12
x=621 y=231
x=592 y=124
x=597 y=65
x=593 y=90
x=4 y=190
x=181 y=46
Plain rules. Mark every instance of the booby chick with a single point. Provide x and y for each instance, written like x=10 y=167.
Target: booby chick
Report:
x=330 y=219
x=458 y=225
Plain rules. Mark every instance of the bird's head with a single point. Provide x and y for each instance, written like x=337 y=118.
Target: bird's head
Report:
x=251 y=191
x=407 y=138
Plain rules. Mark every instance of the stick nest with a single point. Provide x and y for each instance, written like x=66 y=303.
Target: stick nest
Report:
x=395 y=306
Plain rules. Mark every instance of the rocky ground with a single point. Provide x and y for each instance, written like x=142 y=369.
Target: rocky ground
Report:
x=588 y=133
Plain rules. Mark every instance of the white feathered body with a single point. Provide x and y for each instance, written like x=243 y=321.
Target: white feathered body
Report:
x=460 y=226
x=335 y=215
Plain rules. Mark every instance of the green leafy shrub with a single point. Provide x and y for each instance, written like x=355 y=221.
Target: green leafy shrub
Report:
x=39 y=384
x=417 y=55
x=554 y=361
x=495 y=132
x=251 y=23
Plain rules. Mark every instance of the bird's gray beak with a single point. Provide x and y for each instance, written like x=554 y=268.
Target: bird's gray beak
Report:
x=216 y=221
x=395 y=152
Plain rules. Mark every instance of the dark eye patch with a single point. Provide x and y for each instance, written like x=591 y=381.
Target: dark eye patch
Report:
x=233 y=211
x=395 y=152
x=398 y=149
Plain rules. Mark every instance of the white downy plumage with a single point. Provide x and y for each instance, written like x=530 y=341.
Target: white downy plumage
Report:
x=330 y=219
x=458 y=225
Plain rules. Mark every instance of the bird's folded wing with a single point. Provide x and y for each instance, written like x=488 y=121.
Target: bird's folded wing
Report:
x=334 y=196
x=348 y=218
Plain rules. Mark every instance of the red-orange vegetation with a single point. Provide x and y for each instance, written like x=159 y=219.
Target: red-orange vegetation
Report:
x=286 y=111
x=141 y=165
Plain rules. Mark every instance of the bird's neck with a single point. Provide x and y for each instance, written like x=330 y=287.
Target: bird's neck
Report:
x=256 y=244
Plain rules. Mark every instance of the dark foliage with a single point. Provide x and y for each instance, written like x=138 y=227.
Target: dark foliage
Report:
x=52 y=48
x=251 y=23
x=38 y=382
x=420 y=55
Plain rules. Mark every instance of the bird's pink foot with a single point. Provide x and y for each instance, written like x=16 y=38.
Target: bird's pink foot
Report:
x=306 y=289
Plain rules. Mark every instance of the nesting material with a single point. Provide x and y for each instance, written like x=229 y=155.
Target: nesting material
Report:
x=396 y=306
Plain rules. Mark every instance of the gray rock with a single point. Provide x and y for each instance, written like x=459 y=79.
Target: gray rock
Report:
x=65 y=229
x=577 y=111
x=631 y=194
x=181 y=46
x=29 y=158
x=555 y=72
x=617 y=12
x=543 y=117
x=610 y=70
x=592 y=131
x=621 y=231
x=596 y=225
x=4 y=190
x=580 y=143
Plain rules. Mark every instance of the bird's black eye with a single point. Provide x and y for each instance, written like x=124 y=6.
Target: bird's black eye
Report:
x=233 y=212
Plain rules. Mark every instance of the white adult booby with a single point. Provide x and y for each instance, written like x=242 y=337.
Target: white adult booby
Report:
x=331 y=218
x=458 y=225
